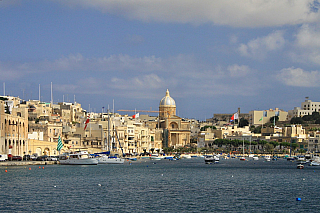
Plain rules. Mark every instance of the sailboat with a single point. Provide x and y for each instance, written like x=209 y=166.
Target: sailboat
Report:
x=242 y=157
x=106 y=158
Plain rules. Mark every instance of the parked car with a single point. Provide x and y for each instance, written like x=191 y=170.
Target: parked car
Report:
x=3 y=157
x=33 y=157
x=18 y=158
x=42 y=158
x=52 y=158
x=26 y=157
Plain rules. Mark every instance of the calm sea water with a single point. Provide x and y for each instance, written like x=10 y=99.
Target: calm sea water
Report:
x=187 y=185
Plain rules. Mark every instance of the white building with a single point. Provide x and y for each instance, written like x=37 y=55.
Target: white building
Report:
x=307 y=108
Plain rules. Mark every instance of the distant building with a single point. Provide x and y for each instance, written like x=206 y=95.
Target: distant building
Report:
x=262 y=117
x=307 y=108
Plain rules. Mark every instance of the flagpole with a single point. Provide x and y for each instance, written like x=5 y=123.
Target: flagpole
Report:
x=262 y=123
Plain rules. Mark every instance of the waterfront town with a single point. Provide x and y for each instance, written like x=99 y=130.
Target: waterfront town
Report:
x=34 y=128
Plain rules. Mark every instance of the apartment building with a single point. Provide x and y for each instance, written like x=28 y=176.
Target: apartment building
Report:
x=307 y=108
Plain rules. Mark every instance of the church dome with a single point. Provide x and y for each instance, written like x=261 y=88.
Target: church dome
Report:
x=167 y=101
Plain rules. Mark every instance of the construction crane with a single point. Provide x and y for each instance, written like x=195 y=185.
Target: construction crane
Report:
x=166 y=111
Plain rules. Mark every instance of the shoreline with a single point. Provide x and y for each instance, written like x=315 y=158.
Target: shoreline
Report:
x=27 y=163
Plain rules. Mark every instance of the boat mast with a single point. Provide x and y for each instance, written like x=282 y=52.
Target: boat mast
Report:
x=243 y=146
x=108 y=145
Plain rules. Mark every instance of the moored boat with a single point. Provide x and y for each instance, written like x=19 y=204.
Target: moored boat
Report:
x=186 y=156
x=78 y=158
x=255 y=158
x=243 y=158
x=210 y=159
x=267 y=157
x=104 y=159
x=300 y=166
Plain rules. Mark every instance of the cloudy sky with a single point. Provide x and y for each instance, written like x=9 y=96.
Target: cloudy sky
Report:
x=213 y=55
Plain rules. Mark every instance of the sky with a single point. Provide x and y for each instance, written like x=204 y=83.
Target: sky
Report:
x=214 y=56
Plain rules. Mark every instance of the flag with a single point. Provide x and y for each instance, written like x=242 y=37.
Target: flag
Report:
x=136 y=115
x=265 y=114
x=60 y=145
x=234 y=116
x=86 y=123
x=261 y=118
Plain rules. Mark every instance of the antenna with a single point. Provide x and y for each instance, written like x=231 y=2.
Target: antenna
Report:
x=39 y=93
x=51 y=96
x=4 y=89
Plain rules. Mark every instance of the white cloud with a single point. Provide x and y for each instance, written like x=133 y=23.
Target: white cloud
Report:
x=308 y=36
x=123 y=74
x=244 y=13
x=238 y=71
x=258 y=48
x=151 y=81
x=307 y=45
x=299 y=77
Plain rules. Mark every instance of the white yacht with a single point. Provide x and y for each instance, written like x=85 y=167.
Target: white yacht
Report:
x=78 y=158
x=105 y=159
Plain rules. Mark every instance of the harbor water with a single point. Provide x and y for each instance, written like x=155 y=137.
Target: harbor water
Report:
x=187 y=185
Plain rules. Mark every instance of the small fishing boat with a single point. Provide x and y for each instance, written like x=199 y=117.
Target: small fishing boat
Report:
x=267 y=158
x=242 y=158
x=209 y=159
x=156 y=157
x=300 y=166
x=186 y=156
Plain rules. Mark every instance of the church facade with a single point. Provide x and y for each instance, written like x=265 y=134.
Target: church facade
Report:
x=176 y=131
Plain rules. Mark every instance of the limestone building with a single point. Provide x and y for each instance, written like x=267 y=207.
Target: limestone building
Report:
x=13 y=126
x=257 y=117
x=176 y=131
x=307 y=108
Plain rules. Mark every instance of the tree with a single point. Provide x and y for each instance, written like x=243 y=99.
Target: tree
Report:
x=204 y=128
x=243 y=122
x=269 y=148
x=274 y=119
x=296 y=120
x=274 y=143
x=256 y=129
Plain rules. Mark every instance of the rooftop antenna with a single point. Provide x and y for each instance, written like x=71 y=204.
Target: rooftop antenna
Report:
x=4 y=89
x=51 y=96
x=39 y=93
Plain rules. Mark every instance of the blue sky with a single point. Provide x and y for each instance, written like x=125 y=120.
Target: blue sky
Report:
x=213 y=55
